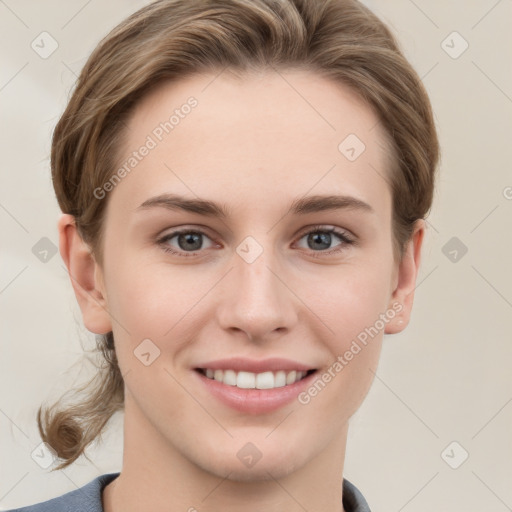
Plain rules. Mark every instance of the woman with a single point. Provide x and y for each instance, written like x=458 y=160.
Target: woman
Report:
x=243 y=187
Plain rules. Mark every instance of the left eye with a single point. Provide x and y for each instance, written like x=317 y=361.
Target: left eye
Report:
x=322 y=237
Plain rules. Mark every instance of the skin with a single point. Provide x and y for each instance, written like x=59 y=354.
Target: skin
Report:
x=250 y=142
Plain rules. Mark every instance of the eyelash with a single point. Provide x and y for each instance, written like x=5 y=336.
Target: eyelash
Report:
x=346 y=240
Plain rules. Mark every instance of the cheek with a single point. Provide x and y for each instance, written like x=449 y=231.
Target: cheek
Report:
x=158 y=309
x=352 y=309
x=352 y=306
x=149 y=300
x=348 y=300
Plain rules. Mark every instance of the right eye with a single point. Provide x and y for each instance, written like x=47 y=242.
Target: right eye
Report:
x=188 y=240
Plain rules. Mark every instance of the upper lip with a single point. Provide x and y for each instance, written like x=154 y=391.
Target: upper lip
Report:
x=255 y=366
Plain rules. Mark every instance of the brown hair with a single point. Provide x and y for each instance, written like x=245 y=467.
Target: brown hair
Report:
x=170 y=39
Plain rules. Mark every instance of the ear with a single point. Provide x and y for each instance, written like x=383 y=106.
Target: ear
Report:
x=405 y=281
x=86 y=276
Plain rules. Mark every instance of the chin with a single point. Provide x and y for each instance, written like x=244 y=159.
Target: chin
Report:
x=260 y=472
x=273 y=464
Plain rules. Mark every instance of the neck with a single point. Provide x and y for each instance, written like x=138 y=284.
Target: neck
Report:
x=157 y=476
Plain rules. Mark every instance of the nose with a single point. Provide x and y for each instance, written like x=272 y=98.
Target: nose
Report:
x=256 y=299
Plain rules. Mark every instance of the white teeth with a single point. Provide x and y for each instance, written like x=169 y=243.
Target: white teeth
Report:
x=244 y=380
x=290 y=378
x=250 y=380
x=230 y=378
x=264 y=380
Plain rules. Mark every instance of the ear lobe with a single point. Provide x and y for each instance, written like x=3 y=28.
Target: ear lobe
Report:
x=86 y=276
x=403 y=295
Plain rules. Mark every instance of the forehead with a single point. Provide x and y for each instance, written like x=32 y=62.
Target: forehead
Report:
x=254 y=137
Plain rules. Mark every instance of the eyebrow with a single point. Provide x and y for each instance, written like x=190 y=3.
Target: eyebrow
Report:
x=300 y=206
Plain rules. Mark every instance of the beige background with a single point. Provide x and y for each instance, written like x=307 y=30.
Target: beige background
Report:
x=446 y=378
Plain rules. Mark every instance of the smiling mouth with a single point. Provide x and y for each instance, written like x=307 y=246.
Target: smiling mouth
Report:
x=250 y=380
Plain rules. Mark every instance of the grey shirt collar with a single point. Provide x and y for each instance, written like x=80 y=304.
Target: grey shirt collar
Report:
x=88 y=498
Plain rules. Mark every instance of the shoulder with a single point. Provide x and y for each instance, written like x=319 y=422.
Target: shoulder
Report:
x=88 y=498
x=83 y=499
x=353 y=500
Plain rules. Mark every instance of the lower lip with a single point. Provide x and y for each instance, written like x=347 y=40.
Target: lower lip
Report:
x=255 y=401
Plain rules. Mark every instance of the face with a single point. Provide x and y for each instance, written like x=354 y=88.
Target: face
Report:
x=283 y=275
